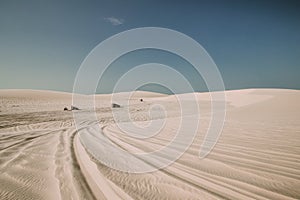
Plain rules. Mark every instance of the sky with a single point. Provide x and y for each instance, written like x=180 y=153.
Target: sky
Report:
x=255 y=44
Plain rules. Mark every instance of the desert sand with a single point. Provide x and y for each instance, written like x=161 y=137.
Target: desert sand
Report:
x=44 y=156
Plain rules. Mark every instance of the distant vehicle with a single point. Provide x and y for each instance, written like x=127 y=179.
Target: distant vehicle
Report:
x=114 y=105
x=74 y=108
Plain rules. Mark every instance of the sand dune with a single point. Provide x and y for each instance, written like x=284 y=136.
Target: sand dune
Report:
x=43 y=156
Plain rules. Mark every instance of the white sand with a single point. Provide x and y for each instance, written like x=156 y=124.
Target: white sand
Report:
x=257 y=156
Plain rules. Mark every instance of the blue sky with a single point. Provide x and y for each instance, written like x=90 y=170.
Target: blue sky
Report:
x=254 y=43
